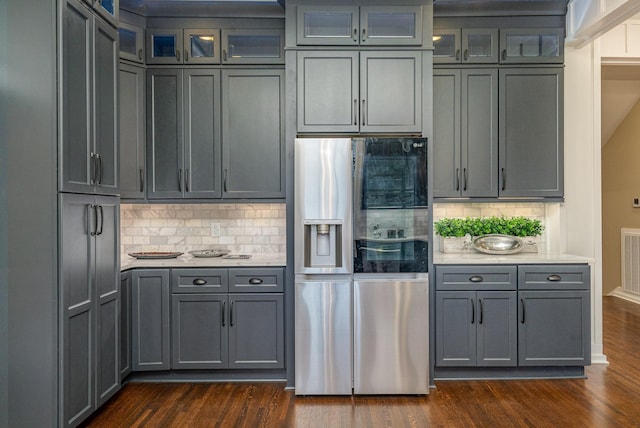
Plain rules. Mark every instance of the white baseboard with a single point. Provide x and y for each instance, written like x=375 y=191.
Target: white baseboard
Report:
x=620 y=293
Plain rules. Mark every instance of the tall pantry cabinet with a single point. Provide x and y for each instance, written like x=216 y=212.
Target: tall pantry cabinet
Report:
x=89 y=210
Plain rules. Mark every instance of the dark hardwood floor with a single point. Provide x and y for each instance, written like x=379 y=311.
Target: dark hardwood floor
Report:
x=609 y=397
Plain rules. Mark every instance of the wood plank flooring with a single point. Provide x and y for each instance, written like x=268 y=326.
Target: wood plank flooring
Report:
x=610 y=397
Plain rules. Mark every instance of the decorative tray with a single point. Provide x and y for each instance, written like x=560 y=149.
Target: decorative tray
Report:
x=498 y=244
x=237 y=256
x=214 y=252
x=155 y=255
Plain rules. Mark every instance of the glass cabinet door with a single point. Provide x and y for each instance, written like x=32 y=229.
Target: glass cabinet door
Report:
x=480 y=45
x=253 y=46
x=202 y=46
x=164 y=46
x=331 y=25
x=392 y=25
x=108 y=9
x=446 y=45
x=131 y=44
x=529 y=45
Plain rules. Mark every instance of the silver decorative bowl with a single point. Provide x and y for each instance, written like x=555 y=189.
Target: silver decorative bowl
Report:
x=498 y=244
x=213 y=252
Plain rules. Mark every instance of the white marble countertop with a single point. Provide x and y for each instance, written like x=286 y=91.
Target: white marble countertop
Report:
x=520 y=258
x=188 y=261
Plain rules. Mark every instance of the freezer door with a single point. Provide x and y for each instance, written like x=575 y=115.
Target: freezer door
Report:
x=323 y=355
x=391 y=336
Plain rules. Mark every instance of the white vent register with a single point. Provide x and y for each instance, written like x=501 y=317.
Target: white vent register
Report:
x=631 y=261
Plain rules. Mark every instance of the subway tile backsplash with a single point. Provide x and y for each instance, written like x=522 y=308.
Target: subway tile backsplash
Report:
x=241 y=228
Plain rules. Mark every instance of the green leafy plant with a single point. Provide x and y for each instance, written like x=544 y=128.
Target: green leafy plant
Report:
x=516 y=226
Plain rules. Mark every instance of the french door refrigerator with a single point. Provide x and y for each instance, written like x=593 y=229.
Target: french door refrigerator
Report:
x=361 y=203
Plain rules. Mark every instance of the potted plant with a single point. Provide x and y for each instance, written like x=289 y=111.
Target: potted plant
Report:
x=456 y=233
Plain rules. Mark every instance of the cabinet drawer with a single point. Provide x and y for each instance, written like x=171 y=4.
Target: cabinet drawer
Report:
x=554 y=277
x=199 y=280
x=476 y=277
x=266 y=280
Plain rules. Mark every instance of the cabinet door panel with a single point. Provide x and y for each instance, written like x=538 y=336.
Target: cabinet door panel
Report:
x=164 y=46
x=253 y=46
x=77 y=138
x=390 y=91
x=256 y=331
x=479 y=166
x=202 y=133
x=531 y=132
x=480 y=45
x=202 y=46
x=125 y=324
x=391 y=25
x=165 y=135
x=199 y=331
x=497 y=333
x=446 y=133
x=554 y=328
x=446 y=46
x=455 y=329
x=328 y=99
x=328 y=25
x=253 y=130
x=132 y=131
x=108 y=367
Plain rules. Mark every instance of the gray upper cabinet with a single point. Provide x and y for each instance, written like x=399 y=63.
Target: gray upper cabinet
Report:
x=90 y=298
x=183 y=46
x=132 y=132
x=184 y=133
x=532 y=45
x=131 y=42
x=346 y=91
x=466 y=46
x=150 y=337
x=353 y=25
x=88 y=120
x=531 y=132
x=109 y=10
x=253 y=133
x=465 y=147
x=253 y=46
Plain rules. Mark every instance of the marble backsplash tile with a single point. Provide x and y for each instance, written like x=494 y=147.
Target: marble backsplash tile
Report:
x=241 y=228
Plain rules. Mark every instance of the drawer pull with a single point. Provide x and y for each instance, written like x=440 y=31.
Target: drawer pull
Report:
x=199 y=281
x=554 y=278
x=476 y=278
x=255 y=281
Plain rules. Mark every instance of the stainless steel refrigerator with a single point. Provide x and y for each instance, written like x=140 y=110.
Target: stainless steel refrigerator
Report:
x=361 y=203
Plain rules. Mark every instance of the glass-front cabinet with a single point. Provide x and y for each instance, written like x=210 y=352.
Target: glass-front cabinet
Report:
x=177 y=46
x=108 y=9
x=468 y=45
x=353 y=25
x=253 y=46
x=131 y=42
x=530 y=45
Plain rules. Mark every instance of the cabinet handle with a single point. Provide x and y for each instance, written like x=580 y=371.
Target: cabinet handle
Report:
x=355 y=34
x=465 y=57
x=481 y=311
x=199 y=281
x=178 y=55
x=457 y=179
x=255 y=281
x=504 y=179
x=364 y=34
x=224 y=54
x=95 y=219
x=180 y=180
x=101 y=169
x=457 y=54
x=101 y=220
x=187 y=178
x=224 y=185
x=140 y=54
x=522 y=312
x=476 y=278
x=473 y=311
x=231 y=314
x=186 y=55
x=363 y=112
x=141 y=180
x=504 y=54
x=224 y=310
x=355 y=111
x=554 y=278
x=94 y=168
x=464 y=179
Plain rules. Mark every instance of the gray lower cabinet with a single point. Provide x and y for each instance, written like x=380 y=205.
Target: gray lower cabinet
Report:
x=351 y=91
x=125 y=324
x=253 y=134
x=89 y=114
x=465 y=133
x=132 y=131
x=476 y=316
x=150 y=339
x=531 y=132
x=90 y=298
